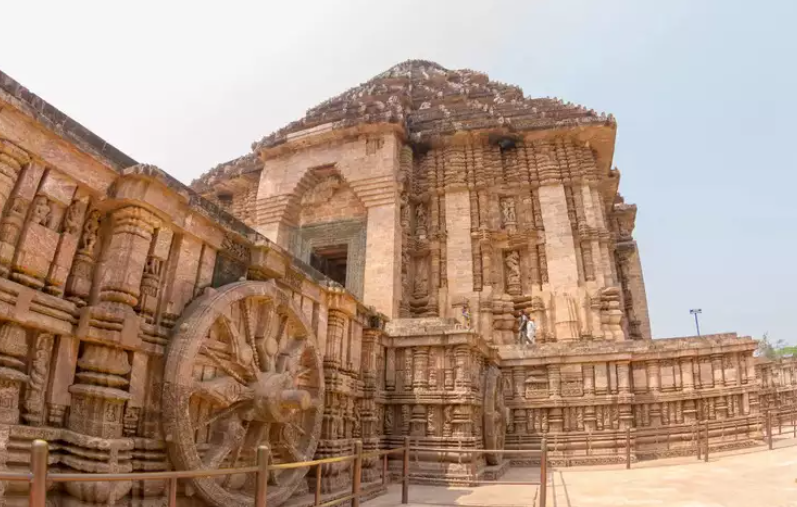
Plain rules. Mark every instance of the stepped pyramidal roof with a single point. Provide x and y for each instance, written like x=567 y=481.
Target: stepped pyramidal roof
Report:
x=428 y=101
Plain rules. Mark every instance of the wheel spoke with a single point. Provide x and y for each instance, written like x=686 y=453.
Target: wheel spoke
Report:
x=222 y=364
x=223 y=391
x=241 y=350
x=298 y=429
x=226 y=436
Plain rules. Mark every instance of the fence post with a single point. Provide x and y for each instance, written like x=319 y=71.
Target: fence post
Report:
x=705 y=457
x=474 y=467
x=358 y=472
x=780 y=423
x=172 y=492
x=628 y=448
x=384 y=470
x=697 y=439
x=769 y=429
x=543 y=471
x=317 y=501
x=39 y=452
x=794 y=423
x=261 y=480
x=405 y=473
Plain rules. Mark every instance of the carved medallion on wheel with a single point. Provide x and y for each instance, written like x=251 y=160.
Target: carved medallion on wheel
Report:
x=495 y=414
x=242 y=369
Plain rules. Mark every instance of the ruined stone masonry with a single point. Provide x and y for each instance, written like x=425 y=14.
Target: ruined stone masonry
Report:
x=357 y=276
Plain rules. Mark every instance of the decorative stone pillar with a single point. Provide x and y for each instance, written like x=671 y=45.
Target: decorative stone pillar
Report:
x=652 y=368
x=589 y=381
x=68 y=244
x=39 y=370
x=687 y=377
x=420 y=378
x=554 y=381
x=461 y=377
x=13 y=358
x=336 y=321
x=151 y=280
x=131 y=236
x=16 y=213
x=623 y=377
x=716 y=368
x=97 y=397
x=390 y=369
x=418 y=421
x=408 y=369
x=518 y=380
x=78 y=284
x=12 y=159
x=450 y=365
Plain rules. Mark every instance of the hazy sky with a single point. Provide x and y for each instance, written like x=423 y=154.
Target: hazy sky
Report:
x=703 y=91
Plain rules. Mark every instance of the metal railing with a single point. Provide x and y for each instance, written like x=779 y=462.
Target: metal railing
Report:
x=474 y=464
x=38 y=476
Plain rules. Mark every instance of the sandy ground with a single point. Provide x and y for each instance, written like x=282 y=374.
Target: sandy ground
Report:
x=750 y=478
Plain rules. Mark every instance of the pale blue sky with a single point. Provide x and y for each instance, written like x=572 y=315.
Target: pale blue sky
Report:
x=703 y=92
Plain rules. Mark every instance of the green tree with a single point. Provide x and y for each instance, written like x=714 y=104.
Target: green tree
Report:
x=776 y=350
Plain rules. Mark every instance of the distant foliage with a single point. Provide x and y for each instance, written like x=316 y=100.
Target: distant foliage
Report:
x=776 y=350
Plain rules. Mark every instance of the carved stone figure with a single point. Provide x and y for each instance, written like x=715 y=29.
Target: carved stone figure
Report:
x=508 y=211
x=421 y=278
x=322 y=191
x=41 y=211
x=421 y=220
x=512 y=262
x=90 y=231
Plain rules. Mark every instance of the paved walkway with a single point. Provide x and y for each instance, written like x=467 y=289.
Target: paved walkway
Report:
x=750 y=478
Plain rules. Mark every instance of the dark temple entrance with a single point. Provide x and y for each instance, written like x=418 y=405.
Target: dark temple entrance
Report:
x=331 y=260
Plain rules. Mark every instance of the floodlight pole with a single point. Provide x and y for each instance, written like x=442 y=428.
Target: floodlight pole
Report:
x=696 y=312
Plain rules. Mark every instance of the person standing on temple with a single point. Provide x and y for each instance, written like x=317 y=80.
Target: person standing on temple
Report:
x=526 y=329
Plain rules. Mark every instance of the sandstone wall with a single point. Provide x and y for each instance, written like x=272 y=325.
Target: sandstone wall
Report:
x=99 y=263
x=583 y=399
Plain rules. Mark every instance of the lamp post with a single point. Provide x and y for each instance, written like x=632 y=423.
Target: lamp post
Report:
x=696 y=312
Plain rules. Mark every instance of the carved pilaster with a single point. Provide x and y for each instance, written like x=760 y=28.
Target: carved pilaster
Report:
x=518 y=379
x=99 y=395
x=17 y=210
x=13 y=357
x=461 y=376
x=554 y=381
x=624 y=377
x=126 y=257
x=390 y=369
x=40 y=367
x=78 y=284
x=67 y=246
x=12 y=159
x=420 y=378
x=652 y=368
x=687 y=377
x=336 y=321
x=448 y=375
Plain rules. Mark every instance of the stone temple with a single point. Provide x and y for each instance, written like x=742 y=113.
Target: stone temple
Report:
x=359 y=275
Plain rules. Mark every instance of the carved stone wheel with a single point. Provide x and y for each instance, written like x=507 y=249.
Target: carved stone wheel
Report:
x=242 y=369
x=495 y=415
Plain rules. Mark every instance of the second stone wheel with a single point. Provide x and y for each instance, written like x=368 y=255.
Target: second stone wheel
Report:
x=495 y=415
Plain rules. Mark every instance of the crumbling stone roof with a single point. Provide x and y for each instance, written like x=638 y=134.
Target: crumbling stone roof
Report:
x=226 y=171
x=61 y=123
x=430 y=100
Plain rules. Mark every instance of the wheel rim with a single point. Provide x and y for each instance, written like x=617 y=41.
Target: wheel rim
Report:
x=242 y=369
x=495 y=416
